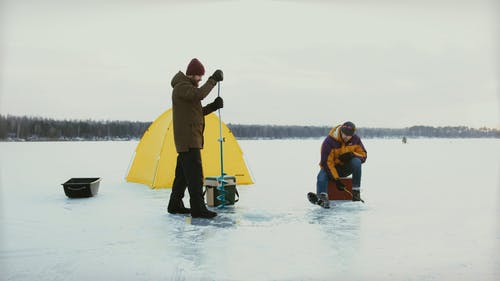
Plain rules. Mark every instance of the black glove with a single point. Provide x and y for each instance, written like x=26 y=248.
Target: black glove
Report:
x=340 y=185
x=218 y=103
x=218 y=75
x=346 y=157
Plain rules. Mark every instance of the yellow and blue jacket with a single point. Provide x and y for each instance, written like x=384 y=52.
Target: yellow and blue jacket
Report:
x=333 y=146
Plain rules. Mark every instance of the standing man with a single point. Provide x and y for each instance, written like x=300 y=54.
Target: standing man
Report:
x=342 y=154
x=189 y=124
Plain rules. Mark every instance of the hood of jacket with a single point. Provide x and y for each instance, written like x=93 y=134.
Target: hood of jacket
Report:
x=180 y=78
x=335 y=134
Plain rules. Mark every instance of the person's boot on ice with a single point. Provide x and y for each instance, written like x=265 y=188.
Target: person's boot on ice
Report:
x=176 y=206
x=321 y=200
x=356 y=195
x=199 y=210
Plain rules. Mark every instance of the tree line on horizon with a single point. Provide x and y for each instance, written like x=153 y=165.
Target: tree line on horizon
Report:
x=25 y=128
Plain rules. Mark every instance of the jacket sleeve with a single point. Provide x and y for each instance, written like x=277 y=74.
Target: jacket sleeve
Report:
x=190 y=92
x=328 y=160
x=360 y=152
x=330 y=163
x=208 y=109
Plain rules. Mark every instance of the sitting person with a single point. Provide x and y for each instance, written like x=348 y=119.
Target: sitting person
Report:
x=342 y=154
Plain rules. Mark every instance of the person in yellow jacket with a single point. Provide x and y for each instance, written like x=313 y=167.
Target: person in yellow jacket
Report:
x=189 y=124
x=342 y=154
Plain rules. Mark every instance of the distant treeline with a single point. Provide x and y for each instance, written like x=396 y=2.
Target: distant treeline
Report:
x=40 y=129
x=14 y=128
x=277 y=132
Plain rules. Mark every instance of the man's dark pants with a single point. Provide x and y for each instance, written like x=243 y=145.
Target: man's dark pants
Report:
x=189 y=173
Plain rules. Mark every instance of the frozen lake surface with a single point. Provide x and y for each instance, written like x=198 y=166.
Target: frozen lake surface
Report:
x=431 y=213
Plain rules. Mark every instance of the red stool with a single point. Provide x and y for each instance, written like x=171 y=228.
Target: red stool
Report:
x=335 y=194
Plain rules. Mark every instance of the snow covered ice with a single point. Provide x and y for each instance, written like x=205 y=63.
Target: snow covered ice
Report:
x=431 y=213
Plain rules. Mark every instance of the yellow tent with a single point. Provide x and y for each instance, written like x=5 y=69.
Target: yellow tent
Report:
x=155 y=156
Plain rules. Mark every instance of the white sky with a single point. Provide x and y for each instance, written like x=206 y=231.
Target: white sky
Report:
x=383 y=64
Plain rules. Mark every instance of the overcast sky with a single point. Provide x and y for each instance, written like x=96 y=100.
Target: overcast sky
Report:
x=382 y=64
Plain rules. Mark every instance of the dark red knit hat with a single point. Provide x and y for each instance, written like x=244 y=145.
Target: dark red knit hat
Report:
x=195 y=68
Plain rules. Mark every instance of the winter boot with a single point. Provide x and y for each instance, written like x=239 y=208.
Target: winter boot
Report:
x=312 y=197
x=204 y=214
x=356 y=195
x=323 y=200
x=176 y=206
x=199 y=210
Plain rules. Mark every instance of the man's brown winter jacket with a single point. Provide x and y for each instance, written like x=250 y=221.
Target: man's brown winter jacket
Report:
x=188 y=114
